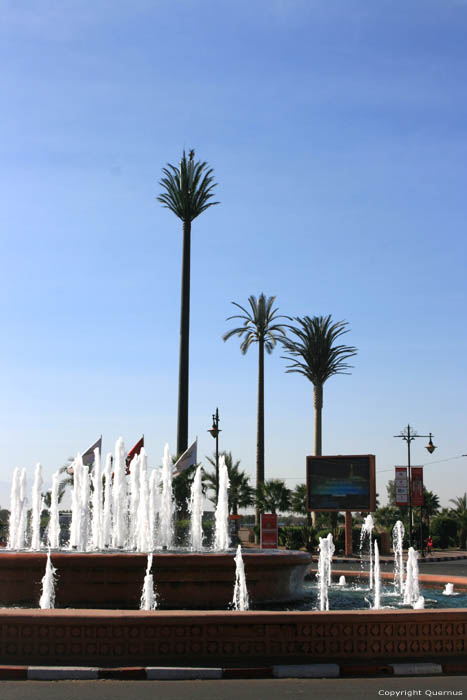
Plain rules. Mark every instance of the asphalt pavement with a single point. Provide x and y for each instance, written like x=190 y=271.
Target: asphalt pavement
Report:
x=436 y=566
x=255 y=689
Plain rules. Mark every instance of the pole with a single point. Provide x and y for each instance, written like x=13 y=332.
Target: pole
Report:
x=410 y=484
x=216 y=421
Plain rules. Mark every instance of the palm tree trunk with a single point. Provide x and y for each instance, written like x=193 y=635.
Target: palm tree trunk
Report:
x=260 y=426
x=318 y=404
x=183 y=373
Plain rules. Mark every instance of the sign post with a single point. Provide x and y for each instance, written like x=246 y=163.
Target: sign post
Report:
x=402 y=488
x=269 y=531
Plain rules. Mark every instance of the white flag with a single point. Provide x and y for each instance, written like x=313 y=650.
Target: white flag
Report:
x=188 y=459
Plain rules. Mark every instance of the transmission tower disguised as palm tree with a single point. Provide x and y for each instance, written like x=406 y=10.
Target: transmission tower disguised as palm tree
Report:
x=187 y=191
x=259 y=326
x=314 y=354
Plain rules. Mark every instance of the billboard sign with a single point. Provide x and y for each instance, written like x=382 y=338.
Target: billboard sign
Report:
x=417 y=486
x=402 y=489
x=341 y=482
x=269 y=531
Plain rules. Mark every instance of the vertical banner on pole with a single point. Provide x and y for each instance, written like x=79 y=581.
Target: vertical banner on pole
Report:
x=417 y=486
x=269 y=531
x=402 y=491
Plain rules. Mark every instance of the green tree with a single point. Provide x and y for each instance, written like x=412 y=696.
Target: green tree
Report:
x=241 y=494
x=314 y=353
x=459 y=512
x=273 y=496
x=187 y=191
x=259 y=326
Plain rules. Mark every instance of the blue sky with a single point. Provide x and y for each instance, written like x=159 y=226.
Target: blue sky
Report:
x=337 y=134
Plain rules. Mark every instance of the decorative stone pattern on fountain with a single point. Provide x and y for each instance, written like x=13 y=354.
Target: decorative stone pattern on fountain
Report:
x=115 y=638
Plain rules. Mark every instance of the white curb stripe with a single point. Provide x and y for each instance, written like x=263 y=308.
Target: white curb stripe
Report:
x=307 y=671
x=189 y=673
x=52 y=673
x=420 y=669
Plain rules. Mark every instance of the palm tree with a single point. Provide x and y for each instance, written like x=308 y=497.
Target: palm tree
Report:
x=430 y=506
x=187 y=191
x=314 y=354
x=259 y=326
x=241 y=494
x=460 y=514
x=273 y=496
x=299 y=502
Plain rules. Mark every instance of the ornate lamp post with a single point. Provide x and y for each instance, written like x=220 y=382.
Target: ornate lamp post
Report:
x=215 y=434
x=409 y=434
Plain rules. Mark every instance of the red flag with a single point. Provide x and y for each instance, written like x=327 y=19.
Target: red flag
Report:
x=133 y=452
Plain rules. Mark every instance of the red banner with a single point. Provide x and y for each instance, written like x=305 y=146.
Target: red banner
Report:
x=417 y=486
x=402 y=491
x=269 y=531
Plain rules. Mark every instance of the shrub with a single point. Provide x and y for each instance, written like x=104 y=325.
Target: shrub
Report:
x=444 y=531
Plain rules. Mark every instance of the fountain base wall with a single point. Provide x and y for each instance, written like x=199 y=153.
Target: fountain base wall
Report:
x=183 y=580
x=137 y=638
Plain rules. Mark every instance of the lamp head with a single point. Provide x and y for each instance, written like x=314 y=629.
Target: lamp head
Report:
x=430 y=447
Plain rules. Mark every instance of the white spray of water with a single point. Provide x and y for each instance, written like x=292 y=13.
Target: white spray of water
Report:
x=324 y=567
x=36 y=509
x=377 y=601
x=419 y=603
x=97 y=515
x=134 y=488
x=148 y=596
x=79 y=528
x=331 y=550
x=167 y=508
x=105 y=539
x=47 y=599
x=397 y=542
x=449 y=589
x=119 y=497
x=143 y=527
x=411 y=587
x=154 y=505
x=342 y=581
x=367 y=529
x=53 y=535
x=195 y=507
x=240 y=596
x=221 y=536
x=18 y=510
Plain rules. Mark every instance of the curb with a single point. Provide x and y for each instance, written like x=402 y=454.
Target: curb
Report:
x=55 y=673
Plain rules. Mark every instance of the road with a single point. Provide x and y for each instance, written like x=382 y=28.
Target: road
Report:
x=275 y=689
x=454 y=568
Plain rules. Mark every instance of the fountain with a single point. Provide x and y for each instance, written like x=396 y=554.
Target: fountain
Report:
x=377 y=603
x=397 y=545
x=47 y=599
x=240 y=597
x=116 y=521
x=148 y=596
x=105 y=566
x=449 y=589
x=367 y=529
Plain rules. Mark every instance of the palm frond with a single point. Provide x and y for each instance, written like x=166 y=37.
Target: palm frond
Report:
x=313 y=352
x=188 y=188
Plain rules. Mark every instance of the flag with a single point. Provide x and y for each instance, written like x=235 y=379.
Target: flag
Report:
x=188 y=459
x=133 y=452
x=88 y=456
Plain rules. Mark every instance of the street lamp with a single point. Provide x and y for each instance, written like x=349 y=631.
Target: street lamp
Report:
x=409 y=434
x=215 y=434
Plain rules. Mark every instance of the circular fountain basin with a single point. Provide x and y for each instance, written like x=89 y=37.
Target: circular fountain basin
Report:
x=183 y=580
